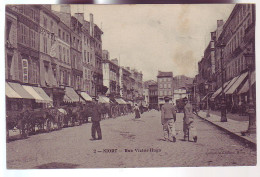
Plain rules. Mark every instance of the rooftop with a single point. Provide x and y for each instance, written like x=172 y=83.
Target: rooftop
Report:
x=164 y=74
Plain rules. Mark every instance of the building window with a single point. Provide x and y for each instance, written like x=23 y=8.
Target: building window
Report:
x=24 y=33
x=88 y=57
x=67 y=38
x=8 y=29
x=9 y=66
x=32 y=36
x=51 y=26
x=45 y=44
x=59 y=33
x=45 y=22
x=35 y=73
x=165 y=92
x=161 y=93
x=33 y=14
x=63 y=35
x=69 y=82
x=60 y=53
x=85 y=57
x=64 y=54
x=61 y=77
x=25 y=70
x=68 y=56
x=169 y=85
x=165 y=85
x=169 y=92
x=74 y=42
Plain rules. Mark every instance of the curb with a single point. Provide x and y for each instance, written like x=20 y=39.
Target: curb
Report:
x=245 y=141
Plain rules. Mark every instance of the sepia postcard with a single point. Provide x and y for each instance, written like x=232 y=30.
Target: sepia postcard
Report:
x=130 y=86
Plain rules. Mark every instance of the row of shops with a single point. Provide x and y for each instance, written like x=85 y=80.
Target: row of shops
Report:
x=19 y=97
x=236 y=93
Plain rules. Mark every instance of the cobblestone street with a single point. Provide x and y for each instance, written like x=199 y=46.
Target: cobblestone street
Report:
x=73 y=147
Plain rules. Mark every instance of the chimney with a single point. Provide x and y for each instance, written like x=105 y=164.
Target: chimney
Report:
x=213 y=35
x=65 y=8
x=91 y=19
x=80 y=17
x=220 y=23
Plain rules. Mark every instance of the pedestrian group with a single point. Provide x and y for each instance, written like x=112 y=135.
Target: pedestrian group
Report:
x=168 y=119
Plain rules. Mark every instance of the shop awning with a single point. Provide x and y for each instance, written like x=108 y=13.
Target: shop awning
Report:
x=120 y=101
x=230 y=84
x=86 y=96
x=237 y=83
x=67 y=99
x=10 y=93
x=245 y=87
x=103 y=99
x=219 y=91
x=71 y=94
x=20 y=90
x=42 y=93
x=36 y=96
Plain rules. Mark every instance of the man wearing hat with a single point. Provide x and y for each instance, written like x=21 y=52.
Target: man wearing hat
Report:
x=168 y=118
x=188 y=121
x=95 y=119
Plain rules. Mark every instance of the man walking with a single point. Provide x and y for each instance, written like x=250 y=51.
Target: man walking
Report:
x=96 y=118
x=188 y=121
x=168 y=118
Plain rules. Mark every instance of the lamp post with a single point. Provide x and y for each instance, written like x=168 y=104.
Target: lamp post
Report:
x=207 y=89
x=251 y=108
x=223 y=99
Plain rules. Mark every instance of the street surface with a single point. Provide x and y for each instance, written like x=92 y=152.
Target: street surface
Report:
x=122 y=138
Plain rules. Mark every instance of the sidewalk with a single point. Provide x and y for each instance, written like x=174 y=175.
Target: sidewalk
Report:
x=231 y=126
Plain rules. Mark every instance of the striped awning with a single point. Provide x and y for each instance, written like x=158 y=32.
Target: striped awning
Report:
x=245 y=87
x=218 y=91
x=86 y=96
x=36 y=96
x=71 y=95
x=237 y=83
x=103 y=99
x=10 y=93
x=120 y=101
x=42 y=93
x=20 y=90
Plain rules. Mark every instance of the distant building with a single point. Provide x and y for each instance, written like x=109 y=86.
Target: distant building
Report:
x=153 y=96
x=111 y=76
x=137 y=85
x=146 y=85
x=125 y=83
x=182 y=81
x=180 y=93
x=98 y=74
x=88 y=60
x=165 y=86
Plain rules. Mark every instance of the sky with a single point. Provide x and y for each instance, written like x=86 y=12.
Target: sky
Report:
x=157 y=37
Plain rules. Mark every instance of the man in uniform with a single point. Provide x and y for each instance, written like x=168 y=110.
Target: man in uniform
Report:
x=95 y=119
x=168 y=118
x=188 y=121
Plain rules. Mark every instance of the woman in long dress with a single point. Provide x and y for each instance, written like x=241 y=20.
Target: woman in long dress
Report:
x=137 y=111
